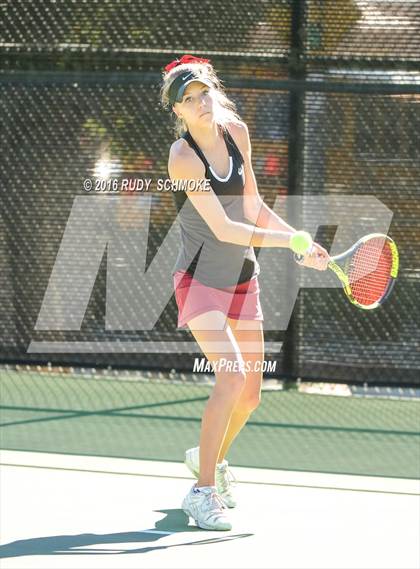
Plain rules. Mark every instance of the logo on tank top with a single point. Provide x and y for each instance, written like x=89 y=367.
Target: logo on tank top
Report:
x=241 y=170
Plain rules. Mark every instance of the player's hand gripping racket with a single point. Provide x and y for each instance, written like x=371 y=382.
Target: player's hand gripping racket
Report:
x=367 y=270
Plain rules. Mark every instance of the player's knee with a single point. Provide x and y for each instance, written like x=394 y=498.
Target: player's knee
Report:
x=249 y=402
x=237 y=380
x=233 y=381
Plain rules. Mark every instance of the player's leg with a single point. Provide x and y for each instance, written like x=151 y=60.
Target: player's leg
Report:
x=250 y=339
x=218 y=344
x=251 y=344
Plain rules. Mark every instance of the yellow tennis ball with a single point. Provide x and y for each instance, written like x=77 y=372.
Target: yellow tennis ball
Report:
x=301 y=242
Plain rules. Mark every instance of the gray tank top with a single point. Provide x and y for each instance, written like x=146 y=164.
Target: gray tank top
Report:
x=212 y=262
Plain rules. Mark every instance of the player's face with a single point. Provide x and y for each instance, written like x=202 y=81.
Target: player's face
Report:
x=197 y=104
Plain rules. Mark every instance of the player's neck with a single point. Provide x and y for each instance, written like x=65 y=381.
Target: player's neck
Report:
x=207 y=138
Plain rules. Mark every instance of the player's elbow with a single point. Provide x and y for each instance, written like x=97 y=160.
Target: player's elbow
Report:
x=223 y=230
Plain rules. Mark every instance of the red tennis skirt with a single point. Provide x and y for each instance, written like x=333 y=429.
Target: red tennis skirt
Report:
x=240 y=302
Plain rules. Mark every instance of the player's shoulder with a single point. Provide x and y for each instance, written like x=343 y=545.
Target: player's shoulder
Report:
x=182 y=158
x=238 y=127
x=240 y=134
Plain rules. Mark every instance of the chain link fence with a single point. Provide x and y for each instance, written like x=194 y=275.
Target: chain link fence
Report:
x=330 y=91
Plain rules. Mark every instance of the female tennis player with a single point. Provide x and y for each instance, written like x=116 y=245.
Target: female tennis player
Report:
x=216 y=272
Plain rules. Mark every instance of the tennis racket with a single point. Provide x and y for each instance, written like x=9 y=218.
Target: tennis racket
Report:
x=367 y=270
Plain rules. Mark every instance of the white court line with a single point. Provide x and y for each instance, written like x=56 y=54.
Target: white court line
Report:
x=133 y=467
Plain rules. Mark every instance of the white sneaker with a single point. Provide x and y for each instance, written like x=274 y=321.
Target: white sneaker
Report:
x=224 y=477
x=224 y=481
x=205 y=506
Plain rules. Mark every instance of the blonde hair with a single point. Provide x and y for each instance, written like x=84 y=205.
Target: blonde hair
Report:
x=225 y=109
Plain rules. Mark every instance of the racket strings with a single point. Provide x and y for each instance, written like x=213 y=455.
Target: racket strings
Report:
x=369 y=271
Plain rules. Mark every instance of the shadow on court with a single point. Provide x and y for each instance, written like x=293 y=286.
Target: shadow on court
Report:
x=175 y=521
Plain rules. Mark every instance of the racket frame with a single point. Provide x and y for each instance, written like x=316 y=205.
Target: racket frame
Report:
x=333 y=266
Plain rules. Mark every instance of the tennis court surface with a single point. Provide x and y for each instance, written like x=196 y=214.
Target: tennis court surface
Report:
x=72 y=511
x=92 y=476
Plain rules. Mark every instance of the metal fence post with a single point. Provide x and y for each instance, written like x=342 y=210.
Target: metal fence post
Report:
x=296 y=71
